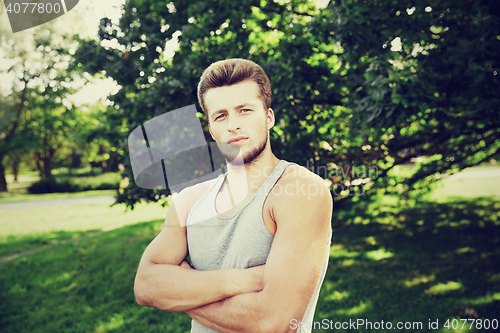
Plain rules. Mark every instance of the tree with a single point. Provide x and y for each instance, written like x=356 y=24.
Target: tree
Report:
x=94 y=139
x=358 y=86
x=36 y=104
x=36 y=81
x=423 y=80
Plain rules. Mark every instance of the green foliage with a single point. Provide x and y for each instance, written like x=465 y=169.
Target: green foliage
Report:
x=36 y=116
x=62 y=184
x=345 y=93
x=422 y=80
x=51 y=185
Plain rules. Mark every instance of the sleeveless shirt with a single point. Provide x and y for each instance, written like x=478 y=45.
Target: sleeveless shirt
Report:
x=240 y=240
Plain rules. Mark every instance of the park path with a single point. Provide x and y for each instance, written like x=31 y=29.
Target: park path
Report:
x=99 y=200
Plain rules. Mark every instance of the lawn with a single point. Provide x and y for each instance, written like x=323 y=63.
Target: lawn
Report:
x=23 y=197
x=425 y=261
x=82 y=286
x=397 y=261
x=23 y=230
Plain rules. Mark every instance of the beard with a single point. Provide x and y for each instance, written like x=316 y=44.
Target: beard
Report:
x=255 y=152
x=230 y=152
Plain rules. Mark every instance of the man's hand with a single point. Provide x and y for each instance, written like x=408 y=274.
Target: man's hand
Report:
x=253 y=277
x=185 y=264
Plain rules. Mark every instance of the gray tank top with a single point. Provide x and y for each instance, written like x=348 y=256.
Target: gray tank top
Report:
x=240 y=240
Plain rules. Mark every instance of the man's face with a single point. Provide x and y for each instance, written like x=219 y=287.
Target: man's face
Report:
x=236 y=115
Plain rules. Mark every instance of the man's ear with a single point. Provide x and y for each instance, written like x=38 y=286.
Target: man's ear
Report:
x=270 y=118
x=210 y=130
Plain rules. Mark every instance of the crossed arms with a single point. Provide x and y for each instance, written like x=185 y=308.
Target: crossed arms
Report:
x=259 y=299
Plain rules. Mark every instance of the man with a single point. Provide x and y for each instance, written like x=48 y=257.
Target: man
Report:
x=258 y=236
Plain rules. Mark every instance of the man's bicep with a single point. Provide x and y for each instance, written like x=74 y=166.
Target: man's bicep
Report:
x=298 y=254
x=170 y=245
x=294 y=267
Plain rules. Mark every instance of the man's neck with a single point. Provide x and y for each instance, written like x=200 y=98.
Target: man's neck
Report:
x=247 y=179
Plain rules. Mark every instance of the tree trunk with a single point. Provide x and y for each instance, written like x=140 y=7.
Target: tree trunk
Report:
x=3 y=181
x=108 y=165
x=44 y=162
x=15 y=171
x=16 y=162
x=47 y=165
x=39 y=165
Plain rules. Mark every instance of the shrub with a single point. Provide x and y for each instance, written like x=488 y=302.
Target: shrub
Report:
x=52 y=185
x=108 y=181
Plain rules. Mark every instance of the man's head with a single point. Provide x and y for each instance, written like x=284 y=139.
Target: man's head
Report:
x=231 y=71
x=235 y=94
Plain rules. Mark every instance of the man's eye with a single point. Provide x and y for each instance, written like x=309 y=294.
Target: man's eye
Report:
x=219 y=117
x=246 y=110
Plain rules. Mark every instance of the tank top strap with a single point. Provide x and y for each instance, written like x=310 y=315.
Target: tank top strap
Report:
x=206 y=203
x=273 y=178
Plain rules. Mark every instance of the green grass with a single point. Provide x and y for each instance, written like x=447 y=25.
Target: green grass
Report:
x=23 y=230
x=452 y=188
x=458 y=188
x=414 y=263
x=8 y=197
x=388 y=262
x=391 y=260
x=83 y=286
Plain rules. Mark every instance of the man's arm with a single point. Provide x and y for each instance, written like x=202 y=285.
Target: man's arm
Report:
x=293 y=268
x=161 y=283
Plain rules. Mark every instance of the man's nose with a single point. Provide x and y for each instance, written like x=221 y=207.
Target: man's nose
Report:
x=233 y=123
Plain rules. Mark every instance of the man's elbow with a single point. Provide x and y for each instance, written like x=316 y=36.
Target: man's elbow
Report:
x=142 y=301
x=145 y=297
x=141 y=295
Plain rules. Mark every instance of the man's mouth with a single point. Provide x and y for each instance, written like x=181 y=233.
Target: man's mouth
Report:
x=237 y=139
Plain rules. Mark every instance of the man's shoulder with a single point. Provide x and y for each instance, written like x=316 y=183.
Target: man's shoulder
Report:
x=300 y=175
x=298 y=184
x=185 y=199
x=301 y=195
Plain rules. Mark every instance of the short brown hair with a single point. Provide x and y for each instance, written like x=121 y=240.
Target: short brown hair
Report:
x=231 y=71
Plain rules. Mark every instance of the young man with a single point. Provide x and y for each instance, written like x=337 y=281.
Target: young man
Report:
x=258 y=236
